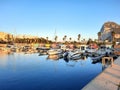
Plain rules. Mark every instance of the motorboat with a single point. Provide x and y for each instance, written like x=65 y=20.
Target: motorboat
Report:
x=97 y=57
x=73 y=55
x=54 y=51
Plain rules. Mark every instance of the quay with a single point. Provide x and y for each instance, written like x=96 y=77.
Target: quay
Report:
x=109 y=79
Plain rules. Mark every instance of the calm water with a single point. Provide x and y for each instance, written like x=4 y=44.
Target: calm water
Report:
x=33 y=72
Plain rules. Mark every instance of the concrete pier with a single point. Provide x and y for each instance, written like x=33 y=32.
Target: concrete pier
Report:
x=109 y=79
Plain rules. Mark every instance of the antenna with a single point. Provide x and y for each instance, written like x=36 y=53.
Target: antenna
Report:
x=55 y=33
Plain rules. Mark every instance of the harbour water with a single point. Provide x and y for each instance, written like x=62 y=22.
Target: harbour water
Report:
x=21 y=71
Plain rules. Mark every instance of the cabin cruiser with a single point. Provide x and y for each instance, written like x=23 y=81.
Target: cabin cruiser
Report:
x=90 y=50
x=54 y=51
x=73 y=55
x=103 y=51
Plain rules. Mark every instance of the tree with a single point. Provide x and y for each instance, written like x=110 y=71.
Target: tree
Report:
x=79 y=38
x=65 y=37
x=56 y=37
x=89 y=41
x=70 y=39
x=47 y=39
x=8 y=38
x=99 y=35
x=84 y=40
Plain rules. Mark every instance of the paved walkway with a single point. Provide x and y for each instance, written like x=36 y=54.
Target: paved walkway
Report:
x=109 y=79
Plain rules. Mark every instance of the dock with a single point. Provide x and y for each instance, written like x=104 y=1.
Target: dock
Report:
x=109 y=79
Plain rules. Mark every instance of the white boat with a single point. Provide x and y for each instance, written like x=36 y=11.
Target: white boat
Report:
x=91 y=50
x=63 y=47
x=75 y=56
x=54 y=51
x=83 y=48
x=66 y=55
x=103 y=51
x=71 y=55
x=97 y=57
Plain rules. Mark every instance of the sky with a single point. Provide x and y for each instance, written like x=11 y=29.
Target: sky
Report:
x=47 y=18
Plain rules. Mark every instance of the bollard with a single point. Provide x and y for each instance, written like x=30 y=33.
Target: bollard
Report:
x=108 y=58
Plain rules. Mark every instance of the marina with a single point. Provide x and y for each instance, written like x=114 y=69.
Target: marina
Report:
x=49 y=68
x=59 y=45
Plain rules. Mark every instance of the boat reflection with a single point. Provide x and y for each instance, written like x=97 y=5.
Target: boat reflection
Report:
x=66 y=60
x=3 y=60
x=54 y=57
x=83 y=57
x=71 y=64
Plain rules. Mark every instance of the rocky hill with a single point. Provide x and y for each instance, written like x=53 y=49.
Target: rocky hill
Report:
x=110 y=26
x=107 y=30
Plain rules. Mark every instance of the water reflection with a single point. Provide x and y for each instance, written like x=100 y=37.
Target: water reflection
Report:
x=55 y=57
x=81 y=58
x=71 y=64
x=3 y=60
x=84 y=57
x=66 y=60
x=33 y=72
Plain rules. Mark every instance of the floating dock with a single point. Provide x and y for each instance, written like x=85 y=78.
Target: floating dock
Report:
x=109 y=79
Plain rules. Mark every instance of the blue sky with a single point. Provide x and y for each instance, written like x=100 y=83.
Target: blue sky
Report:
x=67 y=17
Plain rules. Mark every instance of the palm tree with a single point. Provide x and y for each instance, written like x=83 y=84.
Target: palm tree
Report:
x=89 y=41
x=27 y=40
x=65 y=37
x=79 y=37
x=84 y=40
x=99 y=35
x=56 y=37
x=47 y=39
x=70 y=39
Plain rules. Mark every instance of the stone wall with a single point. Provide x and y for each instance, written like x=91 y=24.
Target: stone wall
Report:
x=117 y=49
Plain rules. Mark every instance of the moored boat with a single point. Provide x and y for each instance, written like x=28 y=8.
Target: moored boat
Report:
x=54 y=51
